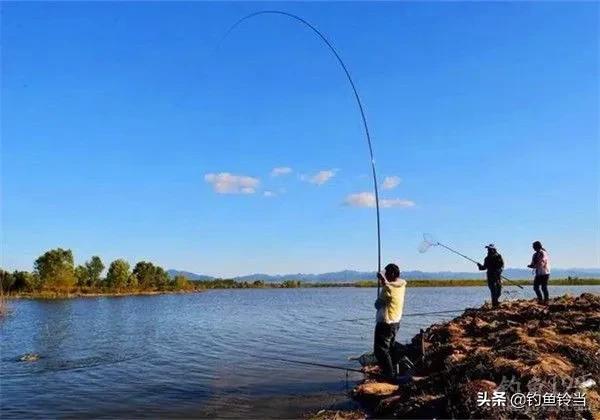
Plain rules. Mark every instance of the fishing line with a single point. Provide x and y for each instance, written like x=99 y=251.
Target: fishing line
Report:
x=453 y=311
x=301 y=362
x=356 y=96
x=429 y=241
x=322 y=365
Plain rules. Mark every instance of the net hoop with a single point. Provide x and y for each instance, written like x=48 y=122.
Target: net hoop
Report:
x=428 y=242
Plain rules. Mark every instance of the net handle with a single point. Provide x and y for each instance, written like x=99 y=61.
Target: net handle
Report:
x=437 y=243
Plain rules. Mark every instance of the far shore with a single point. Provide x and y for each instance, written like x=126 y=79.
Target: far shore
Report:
x=200 y=286
x=78 y=294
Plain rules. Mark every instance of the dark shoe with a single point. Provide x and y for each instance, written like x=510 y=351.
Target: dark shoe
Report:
x=403 y=380
x=387 y=379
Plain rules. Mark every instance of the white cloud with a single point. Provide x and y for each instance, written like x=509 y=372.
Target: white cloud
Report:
x=396 y=202
x=226 y=183
x=269 y=194
x=281 y=170
x=320 y=177
x=367 y=199
x=363 y=199
x=391 y=182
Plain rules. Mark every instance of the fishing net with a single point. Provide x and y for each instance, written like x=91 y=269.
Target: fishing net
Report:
x=428 y=242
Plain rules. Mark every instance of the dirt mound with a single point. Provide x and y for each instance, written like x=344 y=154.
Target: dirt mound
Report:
x=521 y=347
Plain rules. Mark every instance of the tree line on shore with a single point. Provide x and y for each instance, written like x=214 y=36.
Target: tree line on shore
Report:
x=55 y=273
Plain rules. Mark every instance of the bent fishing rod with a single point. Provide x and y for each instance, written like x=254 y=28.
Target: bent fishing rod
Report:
x=356 y=96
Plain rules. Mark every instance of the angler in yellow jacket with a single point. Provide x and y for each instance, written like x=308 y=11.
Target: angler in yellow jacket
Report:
x=389 y=305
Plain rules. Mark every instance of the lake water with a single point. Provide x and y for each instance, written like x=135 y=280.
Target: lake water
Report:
x=204 y=354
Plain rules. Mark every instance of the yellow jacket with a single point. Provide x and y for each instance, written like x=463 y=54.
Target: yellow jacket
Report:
x=391 y=298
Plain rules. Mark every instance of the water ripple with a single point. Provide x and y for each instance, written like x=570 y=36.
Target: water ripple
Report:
x=195 y=355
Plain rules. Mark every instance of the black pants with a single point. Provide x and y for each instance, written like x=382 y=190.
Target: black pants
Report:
x=495 y=284
x=385 y=337
x=541 y=280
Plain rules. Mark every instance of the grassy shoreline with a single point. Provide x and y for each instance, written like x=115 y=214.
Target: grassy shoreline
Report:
x=205 y=286
x=481 y=282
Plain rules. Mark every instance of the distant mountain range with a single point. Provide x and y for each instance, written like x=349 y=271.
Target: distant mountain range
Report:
x=350 y=276
x=189 y=275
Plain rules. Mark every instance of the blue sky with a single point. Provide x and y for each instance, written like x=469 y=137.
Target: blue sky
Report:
x=115 y=115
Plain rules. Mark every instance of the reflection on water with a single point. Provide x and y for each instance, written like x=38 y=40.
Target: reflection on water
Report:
x=200 y=354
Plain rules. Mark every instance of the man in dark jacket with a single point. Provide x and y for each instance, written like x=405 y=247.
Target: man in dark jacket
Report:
x=494 y=265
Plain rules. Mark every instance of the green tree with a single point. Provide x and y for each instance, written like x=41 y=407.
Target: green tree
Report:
x=161 y=279
x=56 y=269
x=150 y=276
x=145 y=272
x=25 y=281
x=291 y=284
x=132 y=282
x=81 y=276
x=94 y=269
x=180 y=282
x=6 y=281
x=118 y=274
